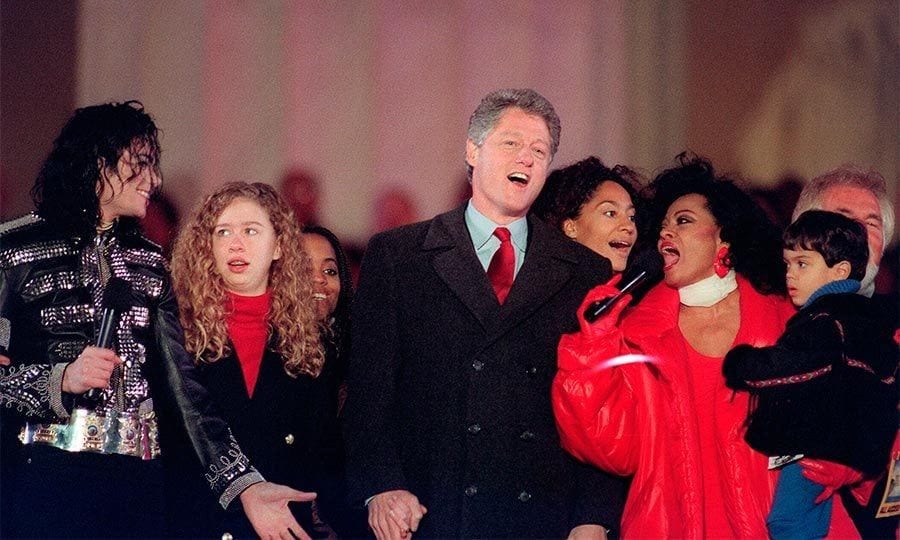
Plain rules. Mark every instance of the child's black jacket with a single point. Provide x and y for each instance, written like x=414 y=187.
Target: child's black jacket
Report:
x=827 y=389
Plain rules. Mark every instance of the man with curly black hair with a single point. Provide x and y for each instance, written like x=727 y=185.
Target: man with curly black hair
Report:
x=89 y=417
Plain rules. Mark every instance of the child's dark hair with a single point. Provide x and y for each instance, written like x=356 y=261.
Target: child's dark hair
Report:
x=834 y=236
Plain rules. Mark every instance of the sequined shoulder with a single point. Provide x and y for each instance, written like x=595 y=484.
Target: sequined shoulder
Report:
x=19 y=223
x=28 y=239
x=139 y=250
x=149 y=244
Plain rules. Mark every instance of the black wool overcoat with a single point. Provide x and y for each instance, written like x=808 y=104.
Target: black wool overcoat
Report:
x=449 y=392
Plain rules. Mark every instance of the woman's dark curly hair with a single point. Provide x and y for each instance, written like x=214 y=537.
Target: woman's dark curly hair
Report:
x=338 y=328
x=70 y=185
x=568 y=189
x=755 y=242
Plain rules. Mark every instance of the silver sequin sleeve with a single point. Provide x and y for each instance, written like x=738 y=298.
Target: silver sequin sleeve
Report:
x=26 y=389
x=32 y=390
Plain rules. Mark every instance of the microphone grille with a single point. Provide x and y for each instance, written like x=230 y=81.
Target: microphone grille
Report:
x=647 y=260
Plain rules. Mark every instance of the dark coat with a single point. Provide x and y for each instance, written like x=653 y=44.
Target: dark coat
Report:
x=283 y=428
x=449 y=392
x=827 y=388
x=884 y=308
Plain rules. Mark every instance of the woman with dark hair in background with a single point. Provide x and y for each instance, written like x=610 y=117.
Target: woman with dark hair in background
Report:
x=249 y=319
x=333 y=295
x=594 y=205
x=666 y=416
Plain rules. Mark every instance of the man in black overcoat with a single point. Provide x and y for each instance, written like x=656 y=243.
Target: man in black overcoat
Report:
x=449 y=427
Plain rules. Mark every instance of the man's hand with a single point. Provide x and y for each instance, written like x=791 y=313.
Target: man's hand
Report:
x=266 y=506
x=395 y=514
x=91 y=369
x=4 y=360
x=588 y=532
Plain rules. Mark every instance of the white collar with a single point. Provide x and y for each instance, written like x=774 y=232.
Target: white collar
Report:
x=709 y=291
x=867 y=287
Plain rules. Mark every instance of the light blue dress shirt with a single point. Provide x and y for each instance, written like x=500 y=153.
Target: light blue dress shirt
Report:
x=481 y=231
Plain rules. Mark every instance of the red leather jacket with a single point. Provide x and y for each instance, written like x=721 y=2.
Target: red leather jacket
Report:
x=640 y=419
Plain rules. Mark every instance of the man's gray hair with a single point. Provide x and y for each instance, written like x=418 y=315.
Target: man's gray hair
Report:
x=850 y=176
x=493 y=105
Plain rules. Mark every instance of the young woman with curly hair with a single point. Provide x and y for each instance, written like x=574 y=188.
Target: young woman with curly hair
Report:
x=210 y=266
x=246 y=297
x=594 y=205
x=669 y=420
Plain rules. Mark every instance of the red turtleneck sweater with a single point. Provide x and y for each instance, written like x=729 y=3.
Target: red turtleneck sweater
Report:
x=248 y=330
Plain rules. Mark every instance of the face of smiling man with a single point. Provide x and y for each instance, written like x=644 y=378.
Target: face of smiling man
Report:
x=509 y=168
x=131 y=183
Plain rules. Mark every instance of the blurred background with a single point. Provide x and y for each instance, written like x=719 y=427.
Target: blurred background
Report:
x=360 y=106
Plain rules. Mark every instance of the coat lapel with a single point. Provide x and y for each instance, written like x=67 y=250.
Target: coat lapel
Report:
x=457 y=264
x=548 y=267
x=225 y=377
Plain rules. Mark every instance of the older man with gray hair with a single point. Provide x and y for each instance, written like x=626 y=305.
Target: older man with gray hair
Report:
x=858 y=194
x=862 y=195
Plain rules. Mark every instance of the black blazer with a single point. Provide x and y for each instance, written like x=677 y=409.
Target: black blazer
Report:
x=827 y=388
x=449 y=392
x=283 y=428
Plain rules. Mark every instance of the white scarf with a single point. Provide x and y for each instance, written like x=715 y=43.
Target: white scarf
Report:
x=709 y=291
x=867 y=287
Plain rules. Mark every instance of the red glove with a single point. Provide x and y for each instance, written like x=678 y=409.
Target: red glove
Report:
x=862 y=491
x=832 y=476
x=602 y=326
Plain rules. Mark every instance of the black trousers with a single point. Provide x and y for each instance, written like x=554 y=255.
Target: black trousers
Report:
x=60 y=494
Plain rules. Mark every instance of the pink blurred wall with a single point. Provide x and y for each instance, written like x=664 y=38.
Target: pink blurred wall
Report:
x=37 y=90
x=372 y=94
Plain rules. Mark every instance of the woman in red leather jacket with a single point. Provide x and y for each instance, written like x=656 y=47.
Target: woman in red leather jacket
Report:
x=645 y=396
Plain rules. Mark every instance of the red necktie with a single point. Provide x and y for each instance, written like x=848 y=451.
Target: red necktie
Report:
x=503 y=265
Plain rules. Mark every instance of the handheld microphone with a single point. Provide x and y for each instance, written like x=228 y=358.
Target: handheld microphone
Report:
x=116 y=300
x=646 y=268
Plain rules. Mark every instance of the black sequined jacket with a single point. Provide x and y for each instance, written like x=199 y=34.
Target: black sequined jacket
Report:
x=50 y=303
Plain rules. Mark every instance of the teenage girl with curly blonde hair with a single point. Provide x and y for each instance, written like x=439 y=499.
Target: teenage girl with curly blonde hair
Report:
x=245 y=292
x=201 y=289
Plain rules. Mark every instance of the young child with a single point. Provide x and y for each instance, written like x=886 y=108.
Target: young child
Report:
x=827 y=388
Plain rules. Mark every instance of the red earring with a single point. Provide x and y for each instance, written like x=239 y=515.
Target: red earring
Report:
x=722 y=263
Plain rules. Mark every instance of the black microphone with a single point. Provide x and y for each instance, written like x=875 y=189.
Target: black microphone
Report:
x=116 y=300
x=646 y=268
